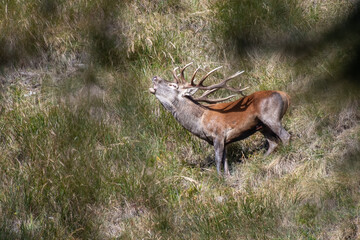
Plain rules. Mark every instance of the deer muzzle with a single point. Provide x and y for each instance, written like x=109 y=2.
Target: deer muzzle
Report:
x=153 y=90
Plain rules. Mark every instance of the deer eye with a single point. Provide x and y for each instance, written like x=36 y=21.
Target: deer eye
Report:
x=173 y=85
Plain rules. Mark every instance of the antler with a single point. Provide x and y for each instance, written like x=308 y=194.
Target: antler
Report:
x=222 y=85
x=213 y=88
x=200 y=84
x=203 y=98
x=181 y=80
x=209 y=89
x=175 y=75
x=182 y=73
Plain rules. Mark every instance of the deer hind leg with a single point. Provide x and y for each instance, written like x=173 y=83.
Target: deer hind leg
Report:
x=272 y=111
x=271 y=138
x=282 y=133
x=275 y=127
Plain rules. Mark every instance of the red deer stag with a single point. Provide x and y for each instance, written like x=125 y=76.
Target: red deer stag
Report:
x=222 y=123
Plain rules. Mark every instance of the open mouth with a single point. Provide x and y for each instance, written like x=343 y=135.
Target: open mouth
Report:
x=152 y=90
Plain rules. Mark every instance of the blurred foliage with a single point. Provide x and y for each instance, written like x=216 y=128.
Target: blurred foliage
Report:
x=247 y=24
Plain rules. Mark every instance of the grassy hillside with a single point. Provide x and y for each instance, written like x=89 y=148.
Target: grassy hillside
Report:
x=88 y=153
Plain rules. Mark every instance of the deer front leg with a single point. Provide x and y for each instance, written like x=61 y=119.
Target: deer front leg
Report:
x=226 y=164
x=219 y=154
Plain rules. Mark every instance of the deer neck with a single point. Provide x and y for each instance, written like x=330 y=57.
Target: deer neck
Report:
x=189 y=114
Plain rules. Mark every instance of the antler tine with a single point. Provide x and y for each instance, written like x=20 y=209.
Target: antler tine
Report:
x=182 y=77
x=204 y=99
x=208 y=92
x=208 y=74
x=193 y=77
x=236 y=90
x=175 y=75
x=222 y=84
x=234 y=75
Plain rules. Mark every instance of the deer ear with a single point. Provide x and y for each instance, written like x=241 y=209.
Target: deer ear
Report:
x=189 y=92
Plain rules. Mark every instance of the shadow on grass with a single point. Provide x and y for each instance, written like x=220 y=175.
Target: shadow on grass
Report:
x=280 y=27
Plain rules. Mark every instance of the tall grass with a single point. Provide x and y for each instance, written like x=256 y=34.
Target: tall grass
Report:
x=91 y=155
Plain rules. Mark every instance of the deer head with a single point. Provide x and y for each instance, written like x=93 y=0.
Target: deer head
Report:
x=170 y=92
